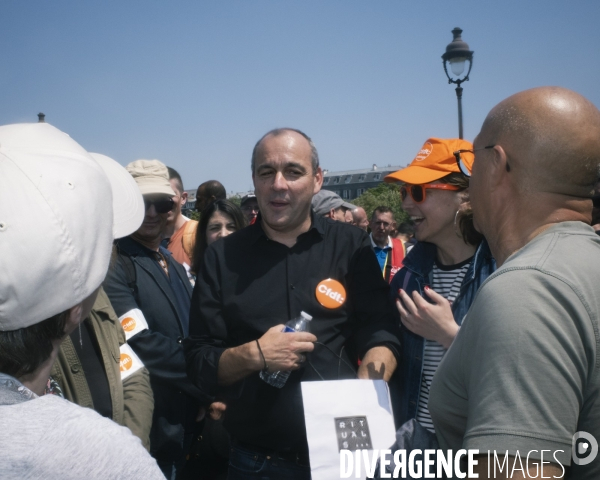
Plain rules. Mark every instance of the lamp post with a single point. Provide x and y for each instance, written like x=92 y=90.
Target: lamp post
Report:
x=457 y=54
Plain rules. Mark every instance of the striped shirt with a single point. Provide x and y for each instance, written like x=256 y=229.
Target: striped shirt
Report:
x=447 y=280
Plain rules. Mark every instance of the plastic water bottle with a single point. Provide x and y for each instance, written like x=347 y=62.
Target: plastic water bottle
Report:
x=298 y=324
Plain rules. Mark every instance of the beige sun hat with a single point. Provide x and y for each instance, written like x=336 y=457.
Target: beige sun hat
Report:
x=151 y=176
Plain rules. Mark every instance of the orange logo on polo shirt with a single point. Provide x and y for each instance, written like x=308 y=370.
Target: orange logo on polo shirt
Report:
x=126 y=362
x=331 y=293
x=424 y=152
x=128 y=324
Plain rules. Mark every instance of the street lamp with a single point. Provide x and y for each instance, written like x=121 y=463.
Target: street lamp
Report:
x=457 y=54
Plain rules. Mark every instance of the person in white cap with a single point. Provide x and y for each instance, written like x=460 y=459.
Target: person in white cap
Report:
x=56 y=233
x=249 y=206
x=149 y=288
x=93 y=367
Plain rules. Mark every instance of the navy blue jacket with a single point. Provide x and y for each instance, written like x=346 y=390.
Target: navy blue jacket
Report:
x=417 y=272
x=176 y=399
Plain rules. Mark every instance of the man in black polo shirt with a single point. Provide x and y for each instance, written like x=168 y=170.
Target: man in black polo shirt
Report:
x=255 y=280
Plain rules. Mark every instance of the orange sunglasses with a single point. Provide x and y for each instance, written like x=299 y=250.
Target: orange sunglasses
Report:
x=417 y=192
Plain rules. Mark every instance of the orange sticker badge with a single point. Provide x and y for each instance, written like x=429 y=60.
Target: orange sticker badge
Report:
x=125 y=363
x=128 y=324
x=331 y=293
x=130 y=362
x=133 y=322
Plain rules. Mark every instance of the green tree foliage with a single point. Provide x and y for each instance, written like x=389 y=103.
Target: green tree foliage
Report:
x=384 y=194
x=236 y=199
x=193 y=214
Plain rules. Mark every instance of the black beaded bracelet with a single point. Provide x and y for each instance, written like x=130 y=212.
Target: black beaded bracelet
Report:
x=266 y=367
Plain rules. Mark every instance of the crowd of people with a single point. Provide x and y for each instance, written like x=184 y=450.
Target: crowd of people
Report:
x=134 y=341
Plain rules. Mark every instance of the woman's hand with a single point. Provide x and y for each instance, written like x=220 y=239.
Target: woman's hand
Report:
x=431 y=321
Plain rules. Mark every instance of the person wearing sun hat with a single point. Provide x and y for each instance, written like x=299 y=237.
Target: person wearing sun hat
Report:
x=445 y=268
x=57 y=225
x=435 y=160
x=150 y=289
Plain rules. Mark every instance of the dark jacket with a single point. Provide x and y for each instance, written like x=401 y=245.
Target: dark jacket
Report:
x=416 y=273
x=132 y=400
x=176 y=400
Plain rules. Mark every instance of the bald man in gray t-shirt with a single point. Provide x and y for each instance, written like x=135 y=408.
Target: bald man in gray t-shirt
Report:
x=523 y=374
x=522 y=378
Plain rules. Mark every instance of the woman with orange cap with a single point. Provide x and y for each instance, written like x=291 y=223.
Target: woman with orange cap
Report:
x=441 y=274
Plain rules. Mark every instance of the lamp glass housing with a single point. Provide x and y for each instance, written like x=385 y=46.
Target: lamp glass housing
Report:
x=457 y=65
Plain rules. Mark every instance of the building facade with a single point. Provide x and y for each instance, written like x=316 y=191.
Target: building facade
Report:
x=350 y=184
x=190 y=204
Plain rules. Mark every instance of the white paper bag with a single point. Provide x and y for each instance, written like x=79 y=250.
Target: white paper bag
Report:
x=345 y=414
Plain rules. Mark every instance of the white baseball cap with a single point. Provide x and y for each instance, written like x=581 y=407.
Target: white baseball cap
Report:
x=56 y=224
x=128 y=202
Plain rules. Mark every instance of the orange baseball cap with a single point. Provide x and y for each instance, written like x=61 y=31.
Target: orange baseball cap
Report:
x=435 y=160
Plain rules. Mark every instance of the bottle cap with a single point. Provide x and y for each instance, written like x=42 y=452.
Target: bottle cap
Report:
x=306 y=315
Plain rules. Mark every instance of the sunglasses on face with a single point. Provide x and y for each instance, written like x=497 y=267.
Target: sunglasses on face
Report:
x=417 y=192
x=250 y=208
x=162 y=205
x=462 y=166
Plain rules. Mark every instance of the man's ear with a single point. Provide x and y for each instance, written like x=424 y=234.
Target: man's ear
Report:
x=318 y=180
x=500 y=165
x=184 y=197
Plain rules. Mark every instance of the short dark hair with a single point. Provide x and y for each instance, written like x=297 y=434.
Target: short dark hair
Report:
x=382 y=209
x=314 y=155
x=213 y=188
x=228 y=208
x=406 y=228
x=22 y=351
x=174 y=174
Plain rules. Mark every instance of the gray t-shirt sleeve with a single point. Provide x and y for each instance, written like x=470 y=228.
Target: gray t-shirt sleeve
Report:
x=109 y=451
x=526 y=362
x=51 y=436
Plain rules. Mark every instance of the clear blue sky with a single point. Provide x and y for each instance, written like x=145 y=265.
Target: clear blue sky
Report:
x=196 y=83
